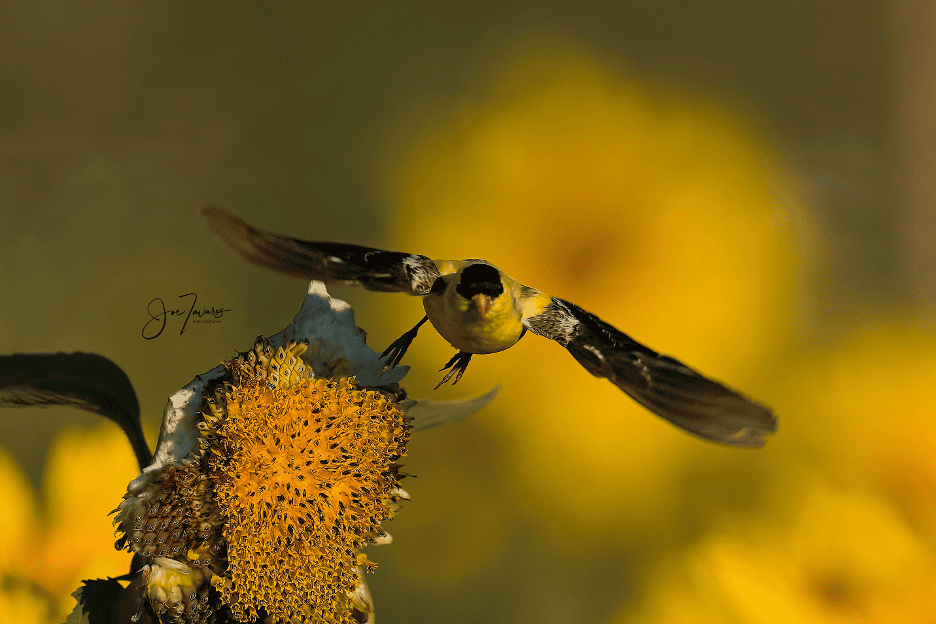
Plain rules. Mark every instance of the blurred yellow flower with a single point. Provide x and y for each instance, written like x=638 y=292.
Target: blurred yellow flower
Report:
x=18 y=516
x=867 y=411
x=46 y=556
x=658 y=212
x=844 y=557
x=20 y=599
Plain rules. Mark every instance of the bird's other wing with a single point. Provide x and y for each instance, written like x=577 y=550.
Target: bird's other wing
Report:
x=660 y=383
x=335 y=263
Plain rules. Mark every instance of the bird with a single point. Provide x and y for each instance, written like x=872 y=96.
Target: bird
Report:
x=480 y=310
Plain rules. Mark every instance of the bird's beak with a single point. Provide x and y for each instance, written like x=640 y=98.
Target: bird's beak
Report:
x=482 y=304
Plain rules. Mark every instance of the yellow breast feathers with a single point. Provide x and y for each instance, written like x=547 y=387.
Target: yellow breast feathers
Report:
x=470 y=313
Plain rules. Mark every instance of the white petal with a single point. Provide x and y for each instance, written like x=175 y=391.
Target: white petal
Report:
x=429 y=414
x=336 y=345
x=361 y=598
x=178 y=434
x=382 y=538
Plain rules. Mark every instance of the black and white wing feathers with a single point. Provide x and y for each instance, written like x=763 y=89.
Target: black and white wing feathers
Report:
x=660 y=383
x=334 y=263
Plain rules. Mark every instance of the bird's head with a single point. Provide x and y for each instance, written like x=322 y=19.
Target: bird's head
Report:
x=481 y=285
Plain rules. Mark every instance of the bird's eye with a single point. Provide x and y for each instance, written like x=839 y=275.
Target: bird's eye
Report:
x=438 y=285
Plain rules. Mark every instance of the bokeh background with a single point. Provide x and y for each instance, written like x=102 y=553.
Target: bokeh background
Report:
x=748 y=187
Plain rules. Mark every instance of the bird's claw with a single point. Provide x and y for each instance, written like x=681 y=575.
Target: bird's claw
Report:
x=456 y=366
x=397 y=349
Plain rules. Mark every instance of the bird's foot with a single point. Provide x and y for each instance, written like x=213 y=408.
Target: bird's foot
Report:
x=394 y=353
x=457 y=364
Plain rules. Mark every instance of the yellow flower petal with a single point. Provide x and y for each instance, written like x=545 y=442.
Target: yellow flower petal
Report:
x=18 y=521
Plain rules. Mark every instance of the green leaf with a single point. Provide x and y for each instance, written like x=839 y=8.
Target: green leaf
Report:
x=96 y=600
x=84 y=380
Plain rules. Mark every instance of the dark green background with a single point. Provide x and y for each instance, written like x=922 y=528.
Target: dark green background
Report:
x=118 y=121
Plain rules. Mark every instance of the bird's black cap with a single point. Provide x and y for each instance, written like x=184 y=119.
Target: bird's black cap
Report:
x=480 y=279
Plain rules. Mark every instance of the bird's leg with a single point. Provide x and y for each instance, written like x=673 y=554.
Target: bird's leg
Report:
x=457 y=364
x=399 y=346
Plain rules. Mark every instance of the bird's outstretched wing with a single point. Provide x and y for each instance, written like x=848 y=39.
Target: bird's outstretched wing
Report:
x=658 y=382
x=334 y=263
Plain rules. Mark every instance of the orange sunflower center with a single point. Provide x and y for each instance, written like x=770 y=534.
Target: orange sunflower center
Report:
x=304 y=474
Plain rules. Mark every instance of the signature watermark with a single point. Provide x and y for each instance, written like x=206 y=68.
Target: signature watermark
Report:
x=158 y=314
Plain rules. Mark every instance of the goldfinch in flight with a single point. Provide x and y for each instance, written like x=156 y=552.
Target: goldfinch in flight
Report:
x=479 y=310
